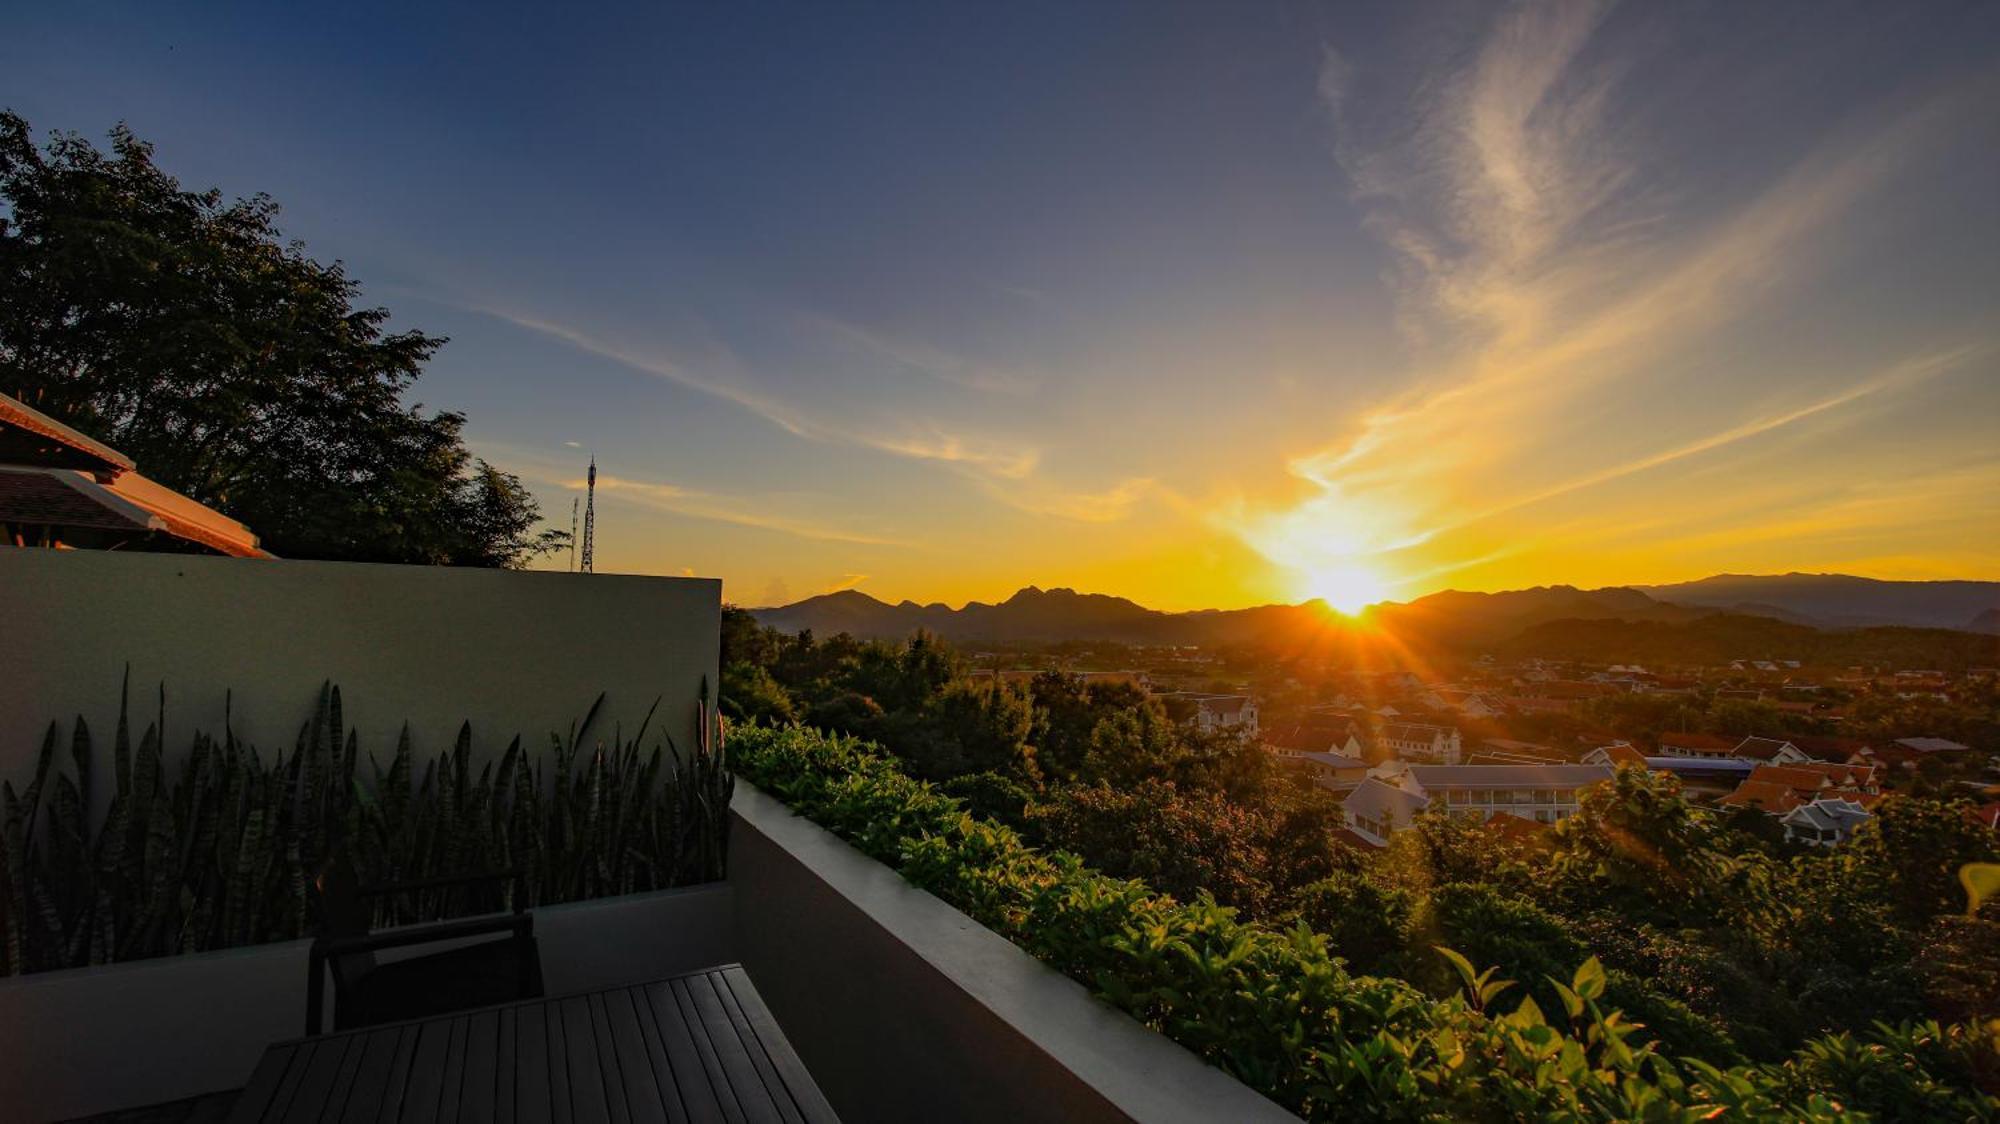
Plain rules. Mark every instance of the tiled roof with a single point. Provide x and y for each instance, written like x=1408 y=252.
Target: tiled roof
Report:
x=1767 y=795
x=1696 y=741
x=40 y=497
x=1931 y=745
x=1761 y=749
x=1509 y=776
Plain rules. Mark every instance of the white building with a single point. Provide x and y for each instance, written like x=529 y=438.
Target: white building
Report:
x=1543 y=793
x=1377 y=809
x=1213 y=713
x=1413 y=742
x=1827 y=822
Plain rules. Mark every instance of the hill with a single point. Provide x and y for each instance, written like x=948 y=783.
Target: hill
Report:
x=1054 y=615
x=1722 y=637
x=1838 y=600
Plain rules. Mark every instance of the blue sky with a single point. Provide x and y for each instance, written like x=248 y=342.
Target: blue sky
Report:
x=1205 y=304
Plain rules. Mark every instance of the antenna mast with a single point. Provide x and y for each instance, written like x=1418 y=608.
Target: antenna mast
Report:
x=589 y=517
x=573 y=501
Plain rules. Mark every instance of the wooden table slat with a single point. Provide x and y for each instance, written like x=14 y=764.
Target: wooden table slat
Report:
x=256 y=1096
x=294 y=1073
x=532 y=1058
x=504 y=1081
x=561 y=1108
x=309 y=1099
x=696 y=1048
x=799 y=1085
x=781 y=1097
x=711 y=1063
x=744 y=1080
x=643 y=1099
x=482 y=1049
x=668 y=1080
x=451 y=1096
x=609 y=1071
x=426 y=1086
x=370 y=1080
x=586 y=1071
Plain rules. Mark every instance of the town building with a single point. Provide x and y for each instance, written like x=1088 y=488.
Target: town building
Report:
x=1696 y=745
x=1543 y=793
x=1377 y=809
x=1827 y=822
x=1409 y=741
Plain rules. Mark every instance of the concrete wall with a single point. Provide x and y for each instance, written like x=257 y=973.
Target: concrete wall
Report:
x=513 y=652
x=93 y=1040
x=905 y=1009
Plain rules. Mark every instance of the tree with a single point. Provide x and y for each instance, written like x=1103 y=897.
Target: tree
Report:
x=179 y=328
x=1909 y=853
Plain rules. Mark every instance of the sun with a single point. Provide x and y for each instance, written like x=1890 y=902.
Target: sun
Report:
x=1346 y=586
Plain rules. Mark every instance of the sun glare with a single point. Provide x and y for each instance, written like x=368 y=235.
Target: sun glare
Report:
x=1346 y=587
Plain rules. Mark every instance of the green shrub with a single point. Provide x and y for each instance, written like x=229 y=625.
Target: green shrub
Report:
x=220 y=852
x=1278 y=1011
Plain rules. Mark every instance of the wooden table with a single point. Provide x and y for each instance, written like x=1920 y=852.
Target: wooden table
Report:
x=699 y=1047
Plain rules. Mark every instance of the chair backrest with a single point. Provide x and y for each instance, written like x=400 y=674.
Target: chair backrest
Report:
x=345 y=913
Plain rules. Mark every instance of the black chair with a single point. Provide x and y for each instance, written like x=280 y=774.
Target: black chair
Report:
x=368 y=992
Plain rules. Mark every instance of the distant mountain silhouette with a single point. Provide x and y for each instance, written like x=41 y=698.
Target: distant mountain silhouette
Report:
x=1838 y=600
x=1038 y=615
x=1450 y=617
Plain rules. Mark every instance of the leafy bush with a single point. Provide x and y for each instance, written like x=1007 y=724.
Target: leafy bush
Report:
x=1278 y=1011
x=220 y=852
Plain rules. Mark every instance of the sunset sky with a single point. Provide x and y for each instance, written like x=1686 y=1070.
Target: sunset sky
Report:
x=1204 y=305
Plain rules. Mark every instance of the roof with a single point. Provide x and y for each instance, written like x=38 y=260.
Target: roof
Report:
x=1931 y=745
x=1519 y=829
x=1333 y=760
x=1762 y=749
x=1415 y=732
x=1714 y=765
x=1696 y=741
x=70 y=498
x=1829 y=749
x=1509 y=776
x=1770 y=796
x=1374 y=797
x=1792 y=776
x=32 y=438
x=1835 y=815
x=1623 y=754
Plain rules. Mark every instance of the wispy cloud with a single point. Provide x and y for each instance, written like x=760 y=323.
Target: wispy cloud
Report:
x=1106 y=506
x=914 y=439
x=1536 y=262
x=925 y=359
x=722 y=509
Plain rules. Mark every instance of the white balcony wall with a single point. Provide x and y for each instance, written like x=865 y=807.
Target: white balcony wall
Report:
x=513 y=652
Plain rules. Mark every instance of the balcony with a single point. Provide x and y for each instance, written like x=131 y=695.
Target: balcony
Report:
x=900 y=1007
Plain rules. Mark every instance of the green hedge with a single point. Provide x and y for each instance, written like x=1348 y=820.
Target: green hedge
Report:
x=1278 y=1011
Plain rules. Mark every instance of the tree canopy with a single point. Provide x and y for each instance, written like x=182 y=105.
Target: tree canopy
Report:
x=179 y=327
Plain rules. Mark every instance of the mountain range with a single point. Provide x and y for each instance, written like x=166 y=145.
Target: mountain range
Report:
x=1822 y=601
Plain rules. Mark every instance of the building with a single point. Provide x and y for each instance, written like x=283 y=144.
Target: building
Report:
x=61 y=489
x=1771 y=751
x=1333 y=771
x=1216 y=713
x=1827 y=822
x=1932 y=745
x=1617 y=755
x=1413 y=742
x=1377 y=809
x=1543 y=793
x=1696 y=745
